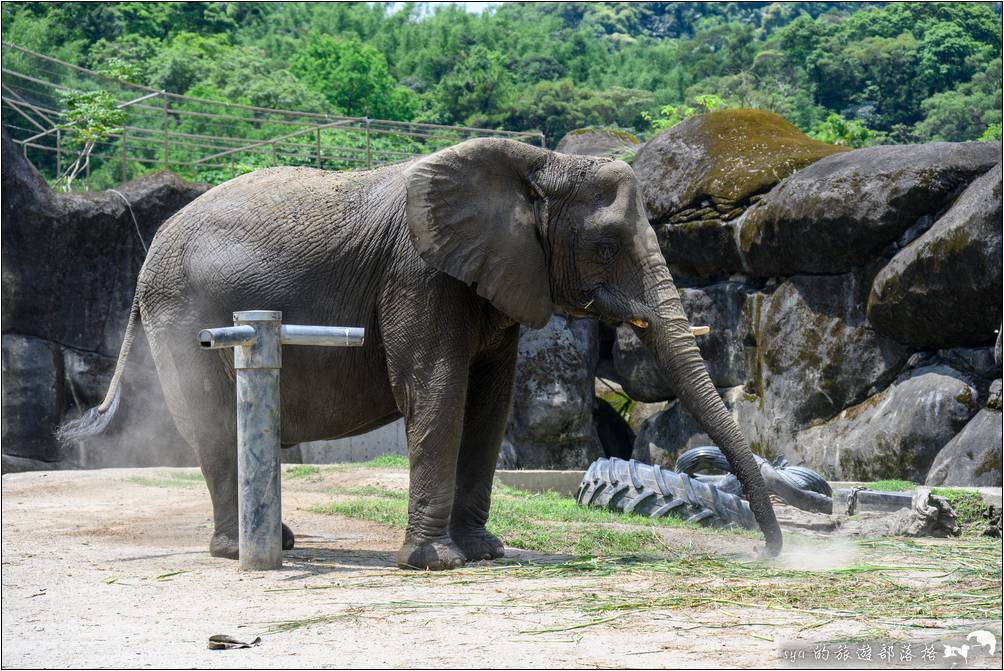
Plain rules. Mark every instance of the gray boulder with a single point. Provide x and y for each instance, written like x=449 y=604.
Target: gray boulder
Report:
x=844 y=210
x=601 y=142
x=944 y=288
x=815 y=353
x=895 y=433
x=973 y=457
x=551 y=424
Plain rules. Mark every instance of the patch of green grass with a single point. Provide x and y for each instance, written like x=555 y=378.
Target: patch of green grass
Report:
x=390 y=511
x=891 y=485
x=301 y=471
x=386 y=461
x=169 y=480
x=969 y=506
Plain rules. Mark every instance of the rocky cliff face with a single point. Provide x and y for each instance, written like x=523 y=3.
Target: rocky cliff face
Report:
x=70 y=263
x=854 y=297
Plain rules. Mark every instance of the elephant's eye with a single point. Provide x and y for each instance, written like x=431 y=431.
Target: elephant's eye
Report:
x=606 y=251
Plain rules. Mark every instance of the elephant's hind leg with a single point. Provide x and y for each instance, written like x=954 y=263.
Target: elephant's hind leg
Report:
x=488 y=397
x=201 y=398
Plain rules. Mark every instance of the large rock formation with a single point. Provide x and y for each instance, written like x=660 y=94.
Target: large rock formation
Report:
x=870 y=286
x=700 y=175
x=70 y=263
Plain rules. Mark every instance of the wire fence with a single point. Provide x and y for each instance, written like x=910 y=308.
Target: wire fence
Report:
x=204 y=140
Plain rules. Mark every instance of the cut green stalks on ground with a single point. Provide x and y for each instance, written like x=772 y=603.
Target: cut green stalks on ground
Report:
x=543 y=522
x=885 y=582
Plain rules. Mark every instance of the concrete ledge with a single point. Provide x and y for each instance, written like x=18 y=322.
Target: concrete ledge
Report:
x=991 y=495
x=565 y=483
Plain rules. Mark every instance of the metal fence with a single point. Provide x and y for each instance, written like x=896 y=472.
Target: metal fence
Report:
x=205 y=140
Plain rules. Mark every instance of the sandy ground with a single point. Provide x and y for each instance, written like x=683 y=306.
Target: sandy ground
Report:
x=108 y=568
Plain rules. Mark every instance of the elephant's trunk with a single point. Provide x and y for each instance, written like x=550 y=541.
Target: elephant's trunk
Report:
x=670 y=341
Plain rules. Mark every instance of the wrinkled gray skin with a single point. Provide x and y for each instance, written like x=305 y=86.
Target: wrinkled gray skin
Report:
x=440 y=260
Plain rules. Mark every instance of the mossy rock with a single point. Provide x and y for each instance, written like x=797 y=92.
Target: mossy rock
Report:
x=944 y=288
x=727 y=155
x=601 y=142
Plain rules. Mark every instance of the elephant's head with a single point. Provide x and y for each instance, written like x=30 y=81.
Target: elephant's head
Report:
x=533 y=230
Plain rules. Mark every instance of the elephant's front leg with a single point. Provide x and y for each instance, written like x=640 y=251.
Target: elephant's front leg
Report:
x=488 y=399
x=433 y=408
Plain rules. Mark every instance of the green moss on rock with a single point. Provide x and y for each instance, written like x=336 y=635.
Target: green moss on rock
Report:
x=752 y=150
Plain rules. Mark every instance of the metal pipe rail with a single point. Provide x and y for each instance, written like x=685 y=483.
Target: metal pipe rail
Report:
x=257 y=338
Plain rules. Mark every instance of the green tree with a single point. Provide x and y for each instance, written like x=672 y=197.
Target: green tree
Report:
x=478 y=89
x=353 y=77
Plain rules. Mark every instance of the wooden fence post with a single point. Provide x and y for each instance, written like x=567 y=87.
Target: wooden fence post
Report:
x=318 y=148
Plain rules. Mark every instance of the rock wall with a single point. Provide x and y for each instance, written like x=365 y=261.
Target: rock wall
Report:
x=70 y=263
x=854 y=297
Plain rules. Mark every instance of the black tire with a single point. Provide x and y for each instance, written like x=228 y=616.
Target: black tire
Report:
x=709 y=459
x=651 y=491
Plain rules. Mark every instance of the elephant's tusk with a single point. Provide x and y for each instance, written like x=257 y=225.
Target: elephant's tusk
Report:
x=699 y=330
x=640 y=323
x=589 y=304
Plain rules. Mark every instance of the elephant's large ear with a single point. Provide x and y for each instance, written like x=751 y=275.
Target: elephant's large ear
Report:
x=471 y=215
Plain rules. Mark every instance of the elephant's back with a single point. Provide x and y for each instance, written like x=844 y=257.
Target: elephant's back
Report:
x=274 y=236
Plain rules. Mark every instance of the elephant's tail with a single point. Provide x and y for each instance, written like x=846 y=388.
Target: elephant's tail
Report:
x=96 y=420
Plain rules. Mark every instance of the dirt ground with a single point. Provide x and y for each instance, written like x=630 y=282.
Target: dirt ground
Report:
x=110 y=568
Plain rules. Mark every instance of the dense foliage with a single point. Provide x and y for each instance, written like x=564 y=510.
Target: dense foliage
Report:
x=846 y=72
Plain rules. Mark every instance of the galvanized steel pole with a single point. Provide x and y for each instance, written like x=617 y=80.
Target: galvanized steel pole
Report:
x=259 y=500
x=257 y=338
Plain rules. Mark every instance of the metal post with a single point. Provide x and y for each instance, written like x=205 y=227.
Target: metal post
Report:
x=257 y=338
x=369 y=152
x=165 y=130
x=122 y=158
x=259 y=500
x=318 y=148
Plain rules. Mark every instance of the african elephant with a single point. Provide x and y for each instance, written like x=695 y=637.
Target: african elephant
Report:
x=440 y=259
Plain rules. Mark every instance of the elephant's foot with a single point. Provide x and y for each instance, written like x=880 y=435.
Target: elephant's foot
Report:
x=225 y=544
x=437 y=555
x=477 y=544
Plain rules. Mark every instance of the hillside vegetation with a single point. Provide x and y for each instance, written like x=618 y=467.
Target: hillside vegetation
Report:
x=848 y=73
